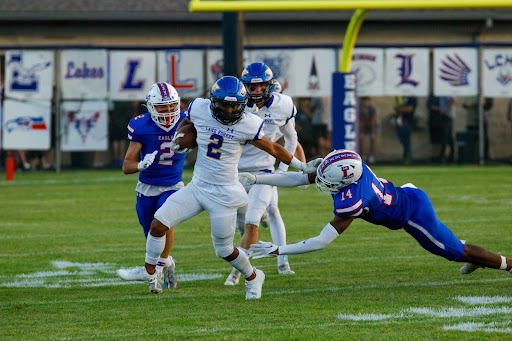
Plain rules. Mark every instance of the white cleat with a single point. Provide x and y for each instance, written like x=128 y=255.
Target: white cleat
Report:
x=136 y=274
x=253 y=288
x=233 y=278
x=155 y=286
x=169 y=275
x=468 y=268
x=284 y=269
x=265 y=220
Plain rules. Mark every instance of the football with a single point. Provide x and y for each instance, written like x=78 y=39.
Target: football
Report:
x=189 y=139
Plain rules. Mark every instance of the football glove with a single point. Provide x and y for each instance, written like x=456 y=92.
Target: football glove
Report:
x=176 y=147
x=263 y=250
x=147 y=161
x=247 y=179
x=309 y=167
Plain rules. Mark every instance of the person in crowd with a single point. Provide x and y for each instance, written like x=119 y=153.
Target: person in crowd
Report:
x=447 y=109
x=223 y=128
x=357 y=193
x=160 y=169
x=404 y=111
x=472 y=106
x=368 y=128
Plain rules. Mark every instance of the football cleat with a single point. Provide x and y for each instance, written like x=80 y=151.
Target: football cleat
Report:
x=155 y=286
x=136 y=274
x=265 y=220
x=468 y=268
x=253 y=288
x=284 y=269
x=233 y=278
x=169 y=275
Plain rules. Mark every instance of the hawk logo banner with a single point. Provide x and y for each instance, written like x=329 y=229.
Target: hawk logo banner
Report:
x=84 y=125
x=26 y=125
x=29 y=74
x=455 y=72
x=407 y=72
x=131 y=74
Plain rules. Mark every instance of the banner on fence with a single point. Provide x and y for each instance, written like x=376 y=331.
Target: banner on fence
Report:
x=184 y=70
x=84 y=74
x=455 y=72
x=368 y=66
x=26 y=125
x=29 y=74
x=131 y=74
x=84 y=125
x=497 y=72
x=407 y=72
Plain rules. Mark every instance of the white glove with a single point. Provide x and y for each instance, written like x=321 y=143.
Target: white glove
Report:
x=303 y=186
x=176 y=147
x=263 y=250
x=147 y=161
x=309 y=167
x=247 y=179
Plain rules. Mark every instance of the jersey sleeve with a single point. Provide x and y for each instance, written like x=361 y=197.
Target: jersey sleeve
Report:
x=348 y=202
x=134 y=128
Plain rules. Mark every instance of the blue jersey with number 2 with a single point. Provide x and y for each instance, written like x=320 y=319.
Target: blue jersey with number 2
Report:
x=167 y=168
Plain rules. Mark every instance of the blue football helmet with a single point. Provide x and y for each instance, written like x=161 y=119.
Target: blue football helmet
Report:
x=228 y=100
x=276 y=87
x=257 y=73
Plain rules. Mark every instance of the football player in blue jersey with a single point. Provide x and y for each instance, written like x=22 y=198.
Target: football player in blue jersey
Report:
x=160 y=168
x=358 y=193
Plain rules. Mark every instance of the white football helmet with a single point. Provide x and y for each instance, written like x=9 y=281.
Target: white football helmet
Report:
x=339 y=169
x=163 y=94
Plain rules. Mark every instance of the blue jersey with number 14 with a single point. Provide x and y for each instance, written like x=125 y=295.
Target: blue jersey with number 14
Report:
x=375 y=200
x=167 y=168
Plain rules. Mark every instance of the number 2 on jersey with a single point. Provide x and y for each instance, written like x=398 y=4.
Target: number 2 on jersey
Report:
x=214 y=146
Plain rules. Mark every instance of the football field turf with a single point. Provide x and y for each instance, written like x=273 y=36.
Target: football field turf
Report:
x=63 y=236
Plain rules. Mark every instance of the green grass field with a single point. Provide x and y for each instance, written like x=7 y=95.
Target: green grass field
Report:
x=63 y=236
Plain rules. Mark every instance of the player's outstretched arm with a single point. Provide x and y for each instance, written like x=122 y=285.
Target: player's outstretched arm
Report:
x=288 y=179
x=281 y=154
x=326 y=236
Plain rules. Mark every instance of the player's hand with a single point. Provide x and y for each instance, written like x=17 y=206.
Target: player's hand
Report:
x=312 y=165
x=147 y=161
x=303 y=186
x=176 y=147
x=263 y=250
x=247 y=179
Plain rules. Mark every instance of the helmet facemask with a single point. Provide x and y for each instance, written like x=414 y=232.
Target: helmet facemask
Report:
x=227 y=112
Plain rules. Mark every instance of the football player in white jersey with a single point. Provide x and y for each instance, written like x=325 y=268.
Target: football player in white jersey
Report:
x=223 y=128
x=278 y=112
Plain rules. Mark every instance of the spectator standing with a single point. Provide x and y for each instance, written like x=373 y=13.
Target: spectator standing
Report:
x=404 y=111
x=435 y=126
x=447 y=109
x=471 y=104
x=367 y=128
x=304 y=126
